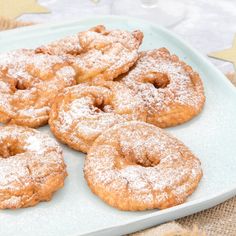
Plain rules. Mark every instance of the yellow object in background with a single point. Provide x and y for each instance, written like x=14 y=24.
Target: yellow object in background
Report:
x=226 y=54
x=14 y=8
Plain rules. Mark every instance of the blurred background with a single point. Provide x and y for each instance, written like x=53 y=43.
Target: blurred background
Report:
x=208 y=25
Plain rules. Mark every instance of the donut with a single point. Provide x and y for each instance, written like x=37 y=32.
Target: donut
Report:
x=172 y=91
x=136 y=166
x=29 y=82
x=106 y=54
x=31 y=166
x=82 y=112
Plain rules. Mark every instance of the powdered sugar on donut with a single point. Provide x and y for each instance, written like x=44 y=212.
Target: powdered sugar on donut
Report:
x=33 y=80
x=83 y=112
x=137 y=166
x=182 y=88
x=106 y=54
x=68 y=45
x=29 y=160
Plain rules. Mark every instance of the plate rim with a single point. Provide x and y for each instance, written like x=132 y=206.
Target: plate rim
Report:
x=215 y=198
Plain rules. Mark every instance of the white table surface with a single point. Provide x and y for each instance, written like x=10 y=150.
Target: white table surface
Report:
x=209 y=25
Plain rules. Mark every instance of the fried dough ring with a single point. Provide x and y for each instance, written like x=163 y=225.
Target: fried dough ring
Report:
x=106 y=54
x=137 y=166
x=82 y=112
x=29 y=82
x=31 y=167
x=172 y=91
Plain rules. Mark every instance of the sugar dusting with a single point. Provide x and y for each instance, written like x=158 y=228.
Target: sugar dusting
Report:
x=40 y=77
x=156 y=167
x=83 y=112
x=184 y=87
x=40 y=158
x=68 y=45
x=106 y=54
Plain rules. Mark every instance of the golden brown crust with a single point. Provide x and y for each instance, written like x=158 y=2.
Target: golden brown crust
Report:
x=29 y=83
x=31 y=167
x=106 y=53
x=82 y=112
x=68 y=46
x=97 y=54
x=172 y=91
x=137 y=166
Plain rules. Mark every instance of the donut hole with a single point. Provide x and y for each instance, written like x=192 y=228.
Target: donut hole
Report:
x=102 y=107
x=20 y=86
x=148 y=161
x=130 y=156
x=144 y=160
x=158 y=79
x=11 y=149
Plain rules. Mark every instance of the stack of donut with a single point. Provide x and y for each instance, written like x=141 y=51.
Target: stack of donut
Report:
x=103 y=97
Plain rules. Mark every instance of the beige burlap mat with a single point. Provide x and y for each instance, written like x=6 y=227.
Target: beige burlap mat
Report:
x=10 y=24
x=217 y=221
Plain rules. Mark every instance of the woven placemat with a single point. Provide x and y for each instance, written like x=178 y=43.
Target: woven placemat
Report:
x=217 y=221
x=6 y=23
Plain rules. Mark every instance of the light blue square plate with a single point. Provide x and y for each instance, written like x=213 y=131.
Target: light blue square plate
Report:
x=74 y=210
